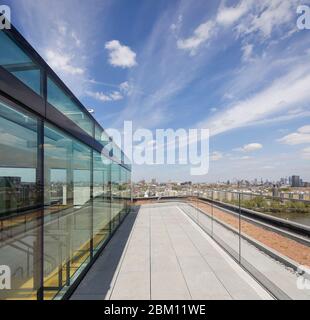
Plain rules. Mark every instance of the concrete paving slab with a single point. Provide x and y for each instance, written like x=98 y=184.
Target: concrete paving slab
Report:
x=160 y=254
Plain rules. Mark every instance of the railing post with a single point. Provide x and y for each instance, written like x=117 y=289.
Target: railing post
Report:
x=239 y=228
x=212 y=213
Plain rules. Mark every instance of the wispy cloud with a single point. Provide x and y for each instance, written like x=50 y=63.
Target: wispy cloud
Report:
x=282 y=94
x=120 y=55
x=250 y=147
x=216 y=156
x=306 y=153
x=61 y=36
x=114 y=96
x=247 y=51
x=268 y=16
x=201 y=35
x=62 y=63
x=300 y=137
x=229 y=15
x=125 y=89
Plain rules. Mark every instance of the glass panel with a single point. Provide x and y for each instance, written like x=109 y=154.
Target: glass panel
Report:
x=17 y=62
x=123 y=192
x=116 y=152
x=101 y=200
x=101 y=136
x=116 y=202
x=19 y=202
x=60 y=100
x=225 y=225
x=271 y=251
x=202 y=212
x=68 y=209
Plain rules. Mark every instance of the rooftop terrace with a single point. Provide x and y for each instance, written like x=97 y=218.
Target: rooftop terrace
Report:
x=159 y=252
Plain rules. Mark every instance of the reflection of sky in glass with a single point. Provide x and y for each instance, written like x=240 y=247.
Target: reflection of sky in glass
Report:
x=58 y=175
x=81 y=176
x=26 y=174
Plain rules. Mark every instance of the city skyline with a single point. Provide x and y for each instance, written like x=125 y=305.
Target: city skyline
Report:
x=292 y=181
x=202 y=75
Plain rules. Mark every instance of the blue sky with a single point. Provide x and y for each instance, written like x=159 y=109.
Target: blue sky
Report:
x=238 y=68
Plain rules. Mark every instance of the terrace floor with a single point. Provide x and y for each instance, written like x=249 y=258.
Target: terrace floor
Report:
x=160 y=253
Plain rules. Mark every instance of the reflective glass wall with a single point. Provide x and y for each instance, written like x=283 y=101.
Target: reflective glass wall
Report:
x=20 y=208
x=85 y=198
x=64 y=187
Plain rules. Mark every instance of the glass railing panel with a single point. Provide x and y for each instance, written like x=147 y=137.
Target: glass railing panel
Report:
x=272 y=252
x=201 y=211
x=226 y=223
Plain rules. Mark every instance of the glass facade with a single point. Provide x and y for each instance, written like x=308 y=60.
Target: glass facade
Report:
x=61 y=197
x=18 y=63
x=65 y=104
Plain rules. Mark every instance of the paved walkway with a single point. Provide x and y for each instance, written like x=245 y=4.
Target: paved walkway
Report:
x=160 y=253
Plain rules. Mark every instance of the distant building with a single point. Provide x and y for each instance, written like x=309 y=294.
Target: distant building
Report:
x=296 y=181
x=275 y=191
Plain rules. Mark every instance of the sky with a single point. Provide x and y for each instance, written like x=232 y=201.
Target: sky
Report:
x=238 y=68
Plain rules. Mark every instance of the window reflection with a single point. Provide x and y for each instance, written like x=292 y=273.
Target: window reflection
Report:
x=17 y=62
x=61 y=101
x=77 y=216
x=19 y=206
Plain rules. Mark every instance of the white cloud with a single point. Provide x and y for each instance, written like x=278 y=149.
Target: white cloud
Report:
x=114 y=96
x=250 y=147
x=300 y=137
x=61 y=37
x=247 y=51
x=201 y=35
x=124 y=86
x=306 y=153
x=229 y=15
x=62 y=62
x=120 y=55
x=304 y=129
x=241 y=158
x=128 y=88
x=175 y=27
x=246 y=18
x=216 y=155
x=267 y=16
x=76 y=39
x=124 y=89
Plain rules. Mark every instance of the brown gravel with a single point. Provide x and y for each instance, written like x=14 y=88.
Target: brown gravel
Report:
x=287 y=247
